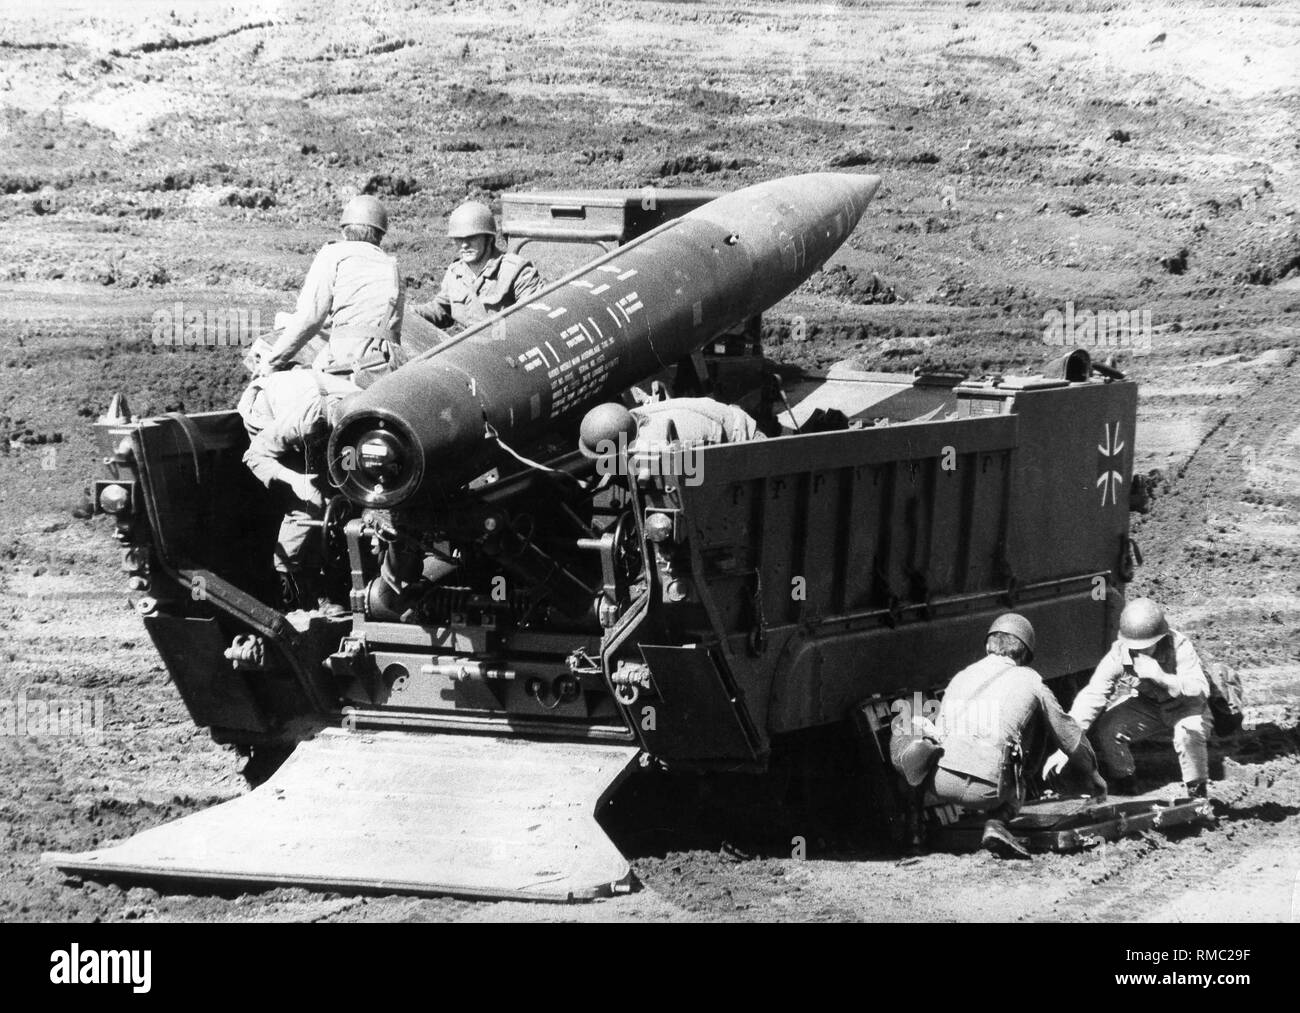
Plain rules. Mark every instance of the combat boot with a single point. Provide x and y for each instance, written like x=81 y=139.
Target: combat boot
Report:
x=1197 y=789
x=312 y=597
x=329 y=609
x=288 y=591
x=1001 y=841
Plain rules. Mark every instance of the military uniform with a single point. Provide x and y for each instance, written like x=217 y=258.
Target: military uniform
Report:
x=695 y=420
x=275 y=395
x=998 y=719
x=1127 y=709
x=287 y=416
x=467 y=298
x=354 y=290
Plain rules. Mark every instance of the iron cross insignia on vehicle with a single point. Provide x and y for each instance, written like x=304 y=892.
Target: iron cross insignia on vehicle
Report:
x=1110 y=479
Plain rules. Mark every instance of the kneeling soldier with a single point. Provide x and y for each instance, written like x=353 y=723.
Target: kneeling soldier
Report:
x=996 y=721
x=1150 y=679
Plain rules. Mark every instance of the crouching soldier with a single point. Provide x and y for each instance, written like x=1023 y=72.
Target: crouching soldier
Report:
x=997 y=721
x=289 y=416
x=1150 y=679
x=481 y=281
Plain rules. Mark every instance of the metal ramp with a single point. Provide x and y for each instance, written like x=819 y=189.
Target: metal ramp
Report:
x=395 y=812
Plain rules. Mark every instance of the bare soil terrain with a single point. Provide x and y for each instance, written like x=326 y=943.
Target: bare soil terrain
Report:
x=1034 y=154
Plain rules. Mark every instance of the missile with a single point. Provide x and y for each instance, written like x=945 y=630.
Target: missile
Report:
x=424 y=429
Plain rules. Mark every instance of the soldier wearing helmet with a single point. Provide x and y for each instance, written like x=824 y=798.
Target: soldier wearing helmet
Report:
x=996 y=722
x=288 y=416
x=481 y=282
x=647 y=435
x=606 y=429
x=693 y=420
x=353 y=292
x=1150 y=679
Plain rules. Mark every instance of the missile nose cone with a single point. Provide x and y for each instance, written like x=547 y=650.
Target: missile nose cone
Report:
x=863 y=187
x=854 y=190
x=849 y=192
x=820 y=208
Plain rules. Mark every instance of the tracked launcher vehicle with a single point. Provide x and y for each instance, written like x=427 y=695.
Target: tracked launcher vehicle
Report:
x=524 y=631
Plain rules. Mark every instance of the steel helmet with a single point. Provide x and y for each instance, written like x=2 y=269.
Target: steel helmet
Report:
x=365 y=210
x=471 y=219
x=605 y=422
x=1141 y=624
x=1018 y=626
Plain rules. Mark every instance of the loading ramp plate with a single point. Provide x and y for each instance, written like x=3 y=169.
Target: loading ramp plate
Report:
x=396 y=812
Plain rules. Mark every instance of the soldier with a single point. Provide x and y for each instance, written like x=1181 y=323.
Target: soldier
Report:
x=354 y=290
x=646 y=436
x=995 y=722
x=1151 y=678
x=693 y=420
x=272 y=396
x=688 y=420
x=289 y=416
x=481 y=282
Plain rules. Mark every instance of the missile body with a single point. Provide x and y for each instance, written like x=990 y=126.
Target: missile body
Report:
x=617 y=320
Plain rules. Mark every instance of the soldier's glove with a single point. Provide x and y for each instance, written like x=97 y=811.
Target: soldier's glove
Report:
x=1054 y=765
x=266 y=368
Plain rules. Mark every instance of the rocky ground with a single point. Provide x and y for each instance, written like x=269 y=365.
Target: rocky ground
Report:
x=1033 y=154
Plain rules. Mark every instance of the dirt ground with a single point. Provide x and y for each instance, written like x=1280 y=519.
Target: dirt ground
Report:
x=1033 y=154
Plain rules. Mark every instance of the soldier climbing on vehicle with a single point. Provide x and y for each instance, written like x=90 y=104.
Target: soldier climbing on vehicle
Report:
x=353 y=293
x=288 y=416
